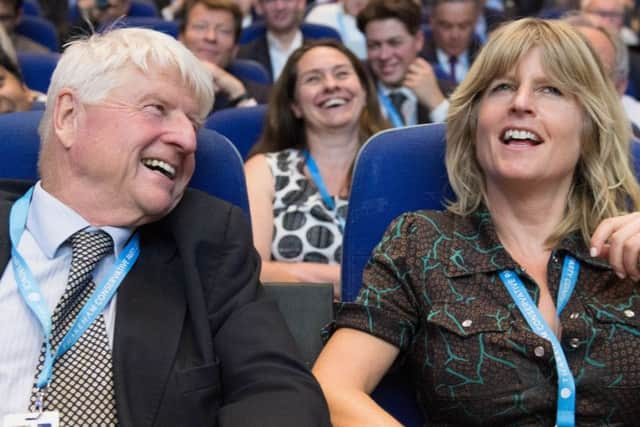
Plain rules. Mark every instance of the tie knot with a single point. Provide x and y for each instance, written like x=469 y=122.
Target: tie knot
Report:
x=397 y=99
x=89 y=247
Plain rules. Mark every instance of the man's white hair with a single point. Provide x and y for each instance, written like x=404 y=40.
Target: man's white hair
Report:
x=92 y=67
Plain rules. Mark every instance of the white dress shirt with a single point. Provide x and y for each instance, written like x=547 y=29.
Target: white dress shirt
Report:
x=333 y=15
x=279 y=54
x=43 y=246
x=461 y=67
x=632 y=108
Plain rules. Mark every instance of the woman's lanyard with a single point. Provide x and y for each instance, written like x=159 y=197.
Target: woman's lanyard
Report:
x=33 y=298
x=565 y=416
x=322 y=188
x=392 y=113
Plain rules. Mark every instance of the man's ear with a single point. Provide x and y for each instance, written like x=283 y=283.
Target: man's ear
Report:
x=65 y=117
x=419 y=40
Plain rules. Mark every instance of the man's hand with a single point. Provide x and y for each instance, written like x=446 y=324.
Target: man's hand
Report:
x=225 y=82
x=617 y=240
x=422 y=81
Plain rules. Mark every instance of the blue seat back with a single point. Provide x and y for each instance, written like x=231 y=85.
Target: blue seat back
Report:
x=243 y=126
x=40 y=30
x=138 y=8
x=309 y=31
x=396 y=171
x=31 y=7
x=248 y=69
x=143 y=8
x=219 y=170
x=152 y=22
x=37 y=69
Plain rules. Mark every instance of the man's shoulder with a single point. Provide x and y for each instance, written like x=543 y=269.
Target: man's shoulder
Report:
x=11 y=190
x=199 y=214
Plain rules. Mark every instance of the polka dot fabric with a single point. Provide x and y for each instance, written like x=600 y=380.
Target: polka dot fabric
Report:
x=305 y=229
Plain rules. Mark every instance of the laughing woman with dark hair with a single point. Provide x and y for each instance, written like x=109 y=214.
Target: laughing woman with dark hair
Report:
x=322 y=109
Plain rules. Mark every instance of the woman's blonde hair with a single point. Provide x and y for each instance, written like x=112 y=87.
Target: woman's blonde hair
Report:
x=604 y=183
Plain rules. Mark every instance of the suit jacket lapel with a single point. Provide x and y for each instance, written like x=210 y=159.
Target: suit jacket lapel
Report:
x=5 y=243
x=150 y=315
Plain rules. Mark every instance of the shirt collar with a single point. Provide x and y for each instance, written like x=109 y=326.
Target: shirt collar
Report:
x=51 y=223
x=443 y=58
x=405 y=90
x=275 y=43
x=479 y=230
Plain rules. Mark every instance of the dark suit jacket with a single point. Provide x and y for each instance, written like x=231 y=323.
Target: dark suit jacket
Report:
x=257 y=91
x=195 y=341
x=258 y=50
x=428 y=52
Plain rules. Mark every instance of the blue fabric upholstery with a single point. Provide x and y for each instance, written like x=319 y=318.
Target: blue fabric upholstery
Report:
x=143 y=8
x=219 y=169
x=31 y=7
x=138 y=8
x=248 y=69
x=243 y=126
x=39 y=30
x=152 y=22
x=309 y=31
x=397 y=170
x=37 y=69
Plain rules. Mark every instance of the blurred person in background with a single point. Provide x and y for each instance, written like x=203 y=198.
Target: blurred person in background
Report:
x=408 y=89
x=341 y=16
x=282 y=20
x=210 y=30
x=323 y=108
x=10 y=14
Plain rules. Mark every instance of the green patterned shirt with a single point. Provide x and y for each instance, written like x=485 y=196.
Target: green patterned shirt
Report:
x=432 y=289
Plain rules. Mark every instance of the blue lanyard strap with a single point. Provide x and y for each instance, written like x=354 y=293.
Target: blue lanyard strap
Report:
x=392 y=113
x=565 y=416
x=33 y=298
x=322 y=188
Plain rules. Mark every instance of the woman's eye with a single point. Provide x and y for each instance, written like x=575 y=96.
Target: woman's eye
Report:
x=551 y=90
x=501 y=87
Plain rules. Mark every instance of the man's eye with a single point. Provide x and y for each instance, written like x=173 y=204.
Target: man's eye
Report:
x=156 y=108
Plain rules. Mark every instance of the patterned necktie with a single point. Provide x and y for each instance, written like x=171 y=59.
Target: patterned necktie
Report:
x=81 y=388
x=397 y=98
x=452 y=68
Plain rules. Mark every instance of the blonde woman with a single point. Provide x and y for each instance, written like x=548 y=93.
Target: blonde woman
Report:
x=518 y=305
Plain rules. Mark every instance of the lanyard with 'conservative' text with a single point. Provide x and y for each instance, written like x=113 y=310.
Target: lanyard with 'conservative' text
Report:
x=33 y=298
x=565 y=416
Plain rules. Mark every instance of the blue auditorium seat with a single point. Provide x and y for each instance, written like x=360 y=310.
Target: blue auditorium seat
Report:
x=219 y=169
x=243 y=126
x=309 y=31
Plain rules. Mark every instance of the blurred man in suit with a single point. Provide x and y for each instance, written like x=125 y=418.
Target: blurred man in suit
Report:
x=282 y=20
x=408 y=88
x=210 y=30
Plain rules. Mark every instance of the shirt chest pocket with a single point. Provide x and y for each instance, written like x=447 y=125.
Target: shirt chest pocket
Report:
x=615 y=343
x=476 y=351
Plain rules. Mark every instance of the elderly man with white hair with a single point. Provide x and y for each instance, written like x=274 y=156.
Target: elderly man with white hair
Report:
x=128 y=299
